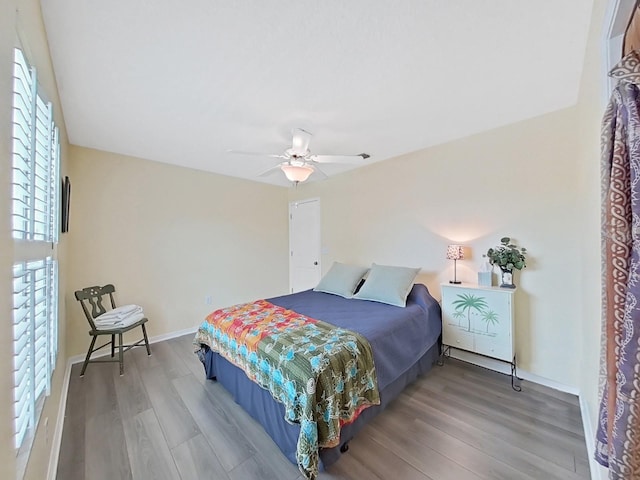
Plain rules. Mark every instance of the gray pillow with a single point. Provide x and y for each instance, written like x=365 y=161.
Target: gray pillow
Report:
x=341 y=279
x=388 y=284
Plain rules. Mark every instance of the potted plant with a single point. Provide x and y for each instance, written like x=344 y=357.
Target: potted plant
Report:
x=508 y=257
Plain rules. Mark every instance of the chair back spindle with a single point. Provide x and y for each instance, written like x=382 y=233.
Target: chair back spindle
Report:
x=94 y=296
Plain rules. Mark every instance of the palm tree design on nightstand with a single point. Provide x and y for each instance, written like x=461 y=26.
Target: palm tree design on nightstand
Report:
x=490 y=317
x=458 y=314
x=468 y=304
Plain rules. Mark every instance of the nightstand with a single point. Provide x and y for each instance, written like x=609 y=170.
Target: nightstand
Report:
x=479 y=320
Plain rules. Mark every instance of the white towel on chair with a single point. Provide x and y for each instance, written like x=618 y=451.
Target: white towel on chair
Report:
x=119 y=317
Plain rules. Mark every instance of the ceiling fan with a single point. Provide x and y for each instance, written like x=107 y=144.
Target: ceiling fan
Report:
x=298 y=163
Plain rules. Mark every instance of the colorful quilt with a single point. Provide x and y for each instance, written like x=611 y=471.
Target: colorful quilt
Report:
x=324 y=375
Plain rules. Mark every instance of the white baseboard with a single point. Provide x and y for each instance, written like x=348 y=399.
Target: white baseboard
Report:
x=57 y=436
x=170 y=335
x=158 y=338
x=598 y=472
x=57 y=433
x=505 y=368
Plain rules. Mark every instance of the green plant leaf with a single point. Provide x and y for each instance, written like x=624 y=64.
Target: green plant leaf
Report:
x=507 y=255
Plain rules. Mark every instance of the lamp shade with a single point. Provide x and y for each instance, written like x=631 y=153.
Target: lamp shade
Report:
x=455 y=252
x=297 y=173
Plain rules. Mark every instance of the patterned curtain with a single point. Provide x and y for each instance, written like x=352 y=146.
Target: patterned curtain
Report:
x=618 y=433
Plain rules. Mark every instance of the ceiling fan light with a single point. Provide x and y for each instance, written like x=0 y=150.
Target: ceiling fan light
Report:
x=297 y=173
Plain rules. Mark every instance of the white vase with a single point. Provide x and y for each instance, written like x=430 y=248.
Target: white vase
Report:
x=506 y=278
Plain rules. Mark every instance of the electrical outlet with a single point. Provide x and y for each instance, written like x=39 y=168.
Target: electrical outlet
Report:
x=208 y=300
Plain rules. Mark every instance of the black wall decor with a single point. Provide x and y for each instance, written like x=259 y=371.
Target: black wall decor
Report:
x=65 y=200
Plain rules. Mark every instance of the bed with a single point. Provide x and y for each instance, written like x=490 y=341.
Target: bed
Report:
x=404 y=343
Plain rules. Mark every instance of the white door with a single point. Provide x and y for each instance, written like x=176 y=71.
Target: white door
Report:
x=304 y=245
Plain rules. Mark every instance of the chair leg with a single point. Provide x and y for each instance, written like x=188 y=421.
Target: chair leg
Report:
x=120 y=355
x=146 y=340
x=89 y=352
x=113 y=346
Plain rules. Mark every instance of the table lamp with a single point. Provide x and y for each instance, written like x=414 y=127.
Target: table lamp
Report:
x=455 y=253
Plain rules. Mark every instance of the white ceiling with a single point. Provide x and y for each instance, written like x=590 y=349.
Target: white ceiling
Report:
x=183 y=81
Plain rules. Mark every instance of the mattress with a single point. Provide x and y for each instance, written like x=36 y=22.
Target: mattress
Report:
x=405 y=343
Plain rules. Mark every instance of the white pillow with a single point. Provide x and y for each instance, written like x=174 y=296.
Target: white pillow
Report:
x=388 y=284
x=341 y=279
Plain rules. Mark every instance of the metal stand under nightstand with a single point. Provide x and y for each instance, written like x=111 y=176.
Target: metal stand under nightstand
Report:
x=446 y=352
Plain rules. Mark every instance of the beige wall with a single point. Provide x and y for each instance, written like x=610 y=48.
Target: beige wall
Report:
x=590 y=110
x=21 y=24
x=516 y=181
x=168 y=237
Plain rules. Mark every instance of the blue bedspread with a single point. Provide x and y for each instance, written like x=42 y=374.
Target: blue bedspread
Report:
x=404 y=343
x=399 y=337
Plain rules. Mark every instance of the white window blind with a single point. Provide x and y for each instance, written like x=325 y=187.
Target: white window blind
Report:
x=34 y=336
x=35 y=159
x=35 y=207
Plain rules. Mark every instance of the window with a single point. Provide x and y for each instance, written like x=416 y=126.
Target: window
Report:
x=35 y=338
x=35 y=159
x=35 y=206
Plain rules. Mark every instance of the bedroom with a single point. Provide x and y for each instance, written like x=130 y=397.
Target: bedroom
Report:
x=433 y=196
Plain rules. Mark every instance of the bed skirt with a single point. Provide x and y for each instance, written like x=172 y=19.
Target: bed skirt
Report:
x=259 y=403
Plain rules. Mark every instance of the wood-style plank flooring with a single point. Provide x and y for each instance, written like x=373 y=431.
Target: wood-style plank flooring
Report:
x=163 y=420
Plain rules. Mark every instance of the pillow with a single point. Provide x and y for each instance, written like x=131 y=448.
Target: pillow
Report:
x=387 y=284
x=341 y=279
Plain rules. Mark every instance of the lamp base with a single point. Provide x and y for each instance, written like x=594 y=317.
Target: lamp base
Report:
x=454 y=282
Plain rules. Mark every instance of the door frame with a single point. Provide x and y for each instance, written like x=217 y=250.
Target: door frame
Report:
x=616 y=20
x=292 y=205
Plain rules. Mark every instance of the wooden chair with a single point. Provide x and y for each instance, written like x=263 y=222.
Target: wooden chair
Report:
x=91 y=299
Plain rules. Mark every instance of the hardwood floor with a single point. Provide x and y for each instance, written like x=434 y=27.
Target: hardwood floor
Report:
x=163 y=420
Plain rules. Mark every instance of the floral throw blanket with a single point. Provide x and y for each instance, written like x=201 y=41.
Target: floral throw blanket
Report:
x=323 y=375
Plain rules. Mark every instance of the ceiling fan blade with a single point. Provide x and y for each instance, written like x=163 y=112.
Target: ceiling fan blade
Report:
x=338 y=158
x=316 y=170
x=300 y=142
x=257 y=154
x=269 y=171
